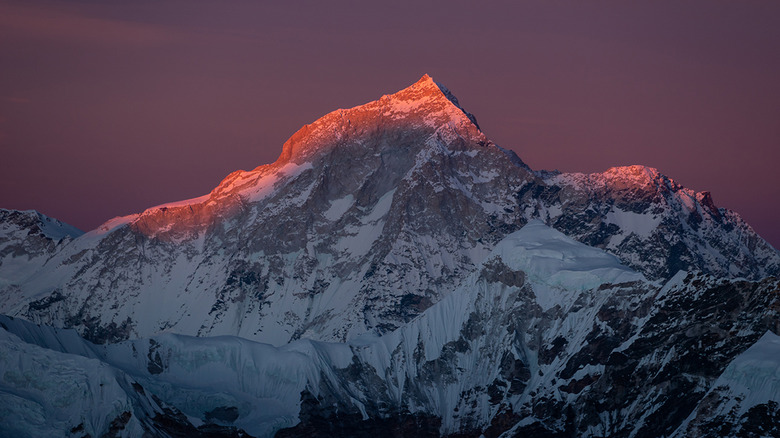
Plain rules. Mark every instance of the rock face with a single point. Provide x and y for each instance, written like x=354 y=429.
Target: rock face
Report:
x=409 y=275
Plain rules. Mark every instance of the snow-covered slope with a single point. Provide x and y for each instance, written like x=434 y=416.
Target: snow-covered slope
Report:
x=745 y=399
x=369 y=216
x=52 y=384
x=547 y=337
x=45 y=393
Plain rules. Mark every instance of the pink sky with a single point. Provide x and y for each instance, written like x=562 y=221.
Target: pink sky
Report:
x=107 y=108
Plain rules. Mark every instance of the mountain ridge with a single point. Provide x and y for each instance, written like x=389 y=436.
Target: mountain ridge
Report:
x=395 y=270
x=424 y=103
x=549 y=354
x=362 y=227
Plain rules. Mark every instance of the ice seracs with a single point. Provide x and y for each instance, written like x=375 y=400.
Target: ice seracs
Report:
x=544 y=253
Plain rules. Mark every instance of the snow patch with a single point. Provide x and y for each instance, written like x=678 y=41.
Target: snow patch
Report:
x=640 y=224
x=183 y=203
x=113 y=224
x=338 y=207
x=266 y=184
x=361 y=238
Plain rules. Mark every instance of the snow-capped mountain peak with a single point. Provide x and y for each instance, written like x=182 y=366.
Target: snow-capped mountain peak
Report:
x=423 y=115
x=369 y=216
x=424 y=105
x=412 y=277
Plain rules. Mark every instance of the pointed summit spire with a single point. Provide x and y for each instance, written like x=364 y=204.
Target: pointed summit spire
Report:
x=427 y=82
x=428 y=86
x=424 y=105
x=426 y=79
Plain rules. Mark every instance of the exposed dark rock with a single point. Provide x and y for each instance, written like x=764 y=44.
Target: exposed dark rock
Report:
x=155 y=364
x=319 y=420
x=117 y=425
x=495 y=271
x=46 y=302
x=224 y=414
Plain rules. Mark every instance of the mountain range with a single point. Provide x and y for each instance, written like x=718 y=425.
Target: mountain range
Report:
x=395 y=270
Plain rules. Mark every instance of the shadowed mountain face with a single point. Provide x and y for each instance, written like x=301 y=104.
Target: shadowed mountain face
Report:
x=409 y=276
x=369 y=216
x=547 y=337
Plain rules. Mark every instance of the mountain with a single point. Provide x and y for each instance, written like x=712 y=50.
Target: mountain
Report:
x=548 y=337
x=396 y=270
x=656 y=225
x=369 y=216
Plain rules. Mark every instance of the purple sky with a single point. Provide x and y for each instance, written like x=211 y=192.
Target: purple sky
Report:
x=109 y=107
